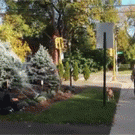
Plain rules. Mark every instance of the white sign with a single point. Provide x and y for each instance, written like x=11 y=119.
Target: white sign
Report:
x=62 y=56
x=108 y=28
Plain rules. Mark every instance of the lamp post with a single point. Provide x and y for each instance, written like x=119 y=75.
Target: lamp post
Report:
x=42 y=83
x=70 y=65
x=115 y=68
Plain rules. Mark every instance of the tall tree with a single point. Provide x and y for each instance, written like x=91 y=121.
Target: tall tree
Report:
x=74 y=21
x=12 y=30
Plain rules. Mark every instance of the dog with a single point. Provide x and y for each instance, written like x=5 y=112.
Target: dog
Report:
x=110 y=93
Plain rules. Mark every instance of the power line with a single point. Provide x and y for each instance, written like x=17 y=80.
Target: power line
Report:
x=133 y=5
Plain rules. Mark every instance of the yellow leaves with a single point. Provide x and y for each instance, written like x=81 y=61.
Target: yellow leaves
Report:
x=13 y=28
x=20 y=49
x=123 y=40
x=111 y=15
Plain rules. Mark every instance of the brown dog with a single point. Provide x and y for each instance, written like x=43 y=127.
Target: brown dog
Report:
x=110 y=93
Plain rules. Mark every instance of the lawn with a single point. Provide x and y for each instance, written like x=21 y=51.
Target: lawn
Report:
x=84 y=108
x=124 y=72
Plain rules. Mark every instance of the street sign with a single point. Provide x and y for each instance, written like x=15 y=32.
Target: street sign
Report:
x=59 y=43
x=119 y=52
x=108 y=28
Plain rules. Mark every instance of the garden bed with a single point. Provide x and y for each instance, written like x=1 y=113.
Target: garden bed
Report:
x=85 y=106
x=44 y=105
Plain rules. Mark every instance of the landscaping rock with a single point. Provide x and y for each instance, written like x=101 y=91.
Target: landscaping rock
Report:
x=41 y=98
x=47 y=95
x=53 y=92
x=68 y=91
x=60 y=92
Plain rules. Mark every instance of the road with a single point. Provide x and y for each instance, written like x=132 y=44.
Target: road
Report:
x=99 y=78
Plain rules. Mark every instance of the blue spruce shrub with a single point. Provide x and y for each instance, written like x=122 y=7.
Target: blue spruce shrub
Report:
x=42 y=68
x=10 y=67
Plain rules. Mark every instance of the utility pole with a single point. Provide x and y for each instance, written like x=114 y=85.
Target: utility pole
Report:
x=69 y=43
x=115 y=55
x=114 y=64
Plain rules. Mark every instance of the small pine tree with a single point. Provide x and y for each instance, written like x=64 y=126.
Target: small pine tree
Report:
x=42 y=68
x=67 y=71
x=75 y=72
x=10 y=67
x=60 y=67
x=86 y=72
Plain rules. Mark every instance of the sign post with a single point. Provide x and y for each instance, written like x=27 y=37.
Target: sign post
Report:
x=104 y=89
x=104 y=40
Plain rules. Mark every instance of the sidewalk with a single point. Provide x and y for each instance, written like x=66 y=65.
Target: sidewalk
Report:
x=124 y=119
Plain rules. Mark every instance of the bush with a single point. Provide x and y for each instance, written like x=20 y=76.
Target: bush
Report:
x=86 y=72
x=82 y=59
x=75 y=72
x=22 y=104
x=10 y=67
x=42 y=68
x=67 y=71
x=60 y=67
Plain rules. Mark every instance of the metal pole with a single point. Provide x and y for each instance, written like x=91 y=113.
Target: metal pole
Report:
x=116 y=60
x=70 y=67
x=114 y=64
x=104 y=89
x=42 y=83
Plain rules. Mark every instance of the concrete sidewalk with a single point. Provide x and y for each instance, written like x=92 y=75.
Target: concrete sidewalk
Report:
x=124 y=119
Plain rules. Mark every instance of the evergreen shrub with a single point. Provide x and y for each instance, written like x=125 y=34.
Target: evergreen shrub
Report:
x=60 y=67
x=86 y=72
x=10 y=67
x=42 y=68
x=67 y=71
x=75 y=72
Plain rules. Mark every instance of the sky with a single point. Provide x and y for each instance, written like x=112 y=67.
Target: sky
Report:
x=128 y=2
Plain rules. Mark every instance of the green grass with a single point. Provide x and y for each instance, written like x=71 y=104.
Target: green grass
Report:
x=121 y=71
x=97 y=73
x=86 y=108
x=125 y=72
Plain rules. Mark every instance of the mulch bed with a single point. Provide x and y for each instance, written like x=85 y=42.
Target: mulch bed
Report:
x=44 y=105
